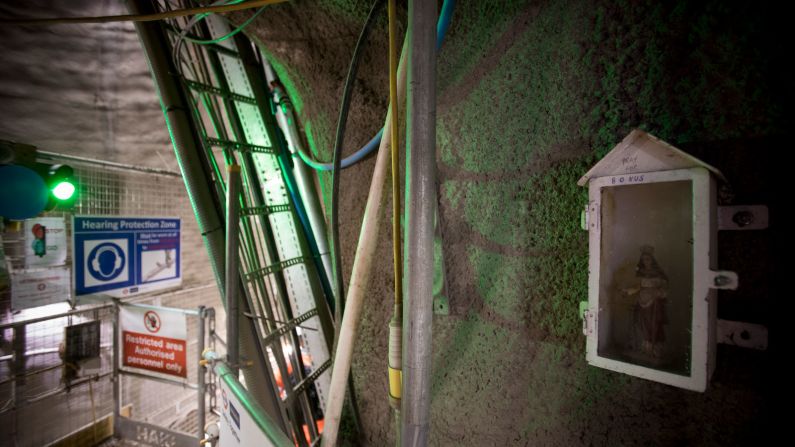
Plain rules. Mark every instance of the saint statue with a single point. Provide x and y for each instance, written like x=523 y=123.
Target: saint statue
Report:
x=650 y=291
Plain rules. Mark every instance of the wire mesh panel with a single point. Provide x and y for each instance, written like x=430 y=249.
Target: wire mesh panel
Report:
x=113 y=190
x=173 y=405
x=41 y=398
x=44 y=396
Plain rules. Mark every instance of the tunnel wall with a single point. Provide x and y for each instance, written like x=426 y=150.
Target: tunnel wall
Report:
x=531 y=94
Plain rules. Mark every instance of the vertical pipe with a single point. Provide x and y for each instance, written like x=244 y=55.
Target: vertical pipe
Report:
x=421 y=199
x=358 y=287
x=19 y=366
x=20 y=360
x=115 y=360
x=202 y=412
x=232 y=248
x=285 y=116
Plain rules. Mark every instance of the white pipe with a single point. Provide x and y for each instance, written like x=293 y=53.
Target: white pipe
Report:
x=360 y=276
x=285 y=116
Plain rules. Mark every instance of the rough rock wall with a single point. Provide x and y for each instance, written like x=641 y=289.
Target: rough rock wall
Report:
x=80 y=89
x=531 y=93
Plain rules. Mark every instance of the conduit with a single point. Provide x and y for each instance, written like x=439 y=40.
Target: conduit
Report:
x=365 y=251
x=232 y=253
x=360 y=276
x=420 y=206
x=347 y=91
x=395 y=346
x=285 y=116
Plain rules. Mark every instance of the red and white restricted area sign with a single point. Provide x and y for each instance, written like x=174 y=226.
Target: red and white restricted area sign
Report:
x=154 y=339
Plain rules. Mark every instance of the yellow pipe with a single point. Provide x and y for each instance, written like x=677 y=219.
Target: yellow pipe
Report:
x=395 y=326
x=360 y=275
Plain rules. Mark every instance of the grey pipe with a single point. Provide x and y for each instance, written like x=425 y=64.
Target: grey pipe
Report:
x=201 y=410
x=196 y=175
x=108 y=164
x=421 y=200
x=176 y=110
x=285 y=116
x=232 y=248
x=116 y=377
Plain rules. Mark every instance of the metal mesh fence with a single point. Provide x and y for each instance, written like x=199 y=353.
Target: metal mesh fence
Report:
x=173 y=405
x=38 y=402
x=49 y=398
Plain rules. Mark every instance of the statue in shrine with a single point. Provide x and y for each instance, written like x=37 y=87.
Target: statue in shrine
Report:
x=650 y=291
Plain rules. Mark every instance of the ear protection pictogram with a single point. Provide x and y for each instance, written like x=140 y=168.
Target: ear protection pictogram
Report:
x=118 y=263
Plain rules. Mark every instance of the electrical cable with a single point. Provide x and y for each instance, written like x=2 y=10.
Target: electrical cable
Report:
x=360 y=274
x=393 y=103
x=183 y=35
x=142 y=17
x=348 y=161
x=229 y=34
x=443 y=24
x=335 y=173
x=336 y=257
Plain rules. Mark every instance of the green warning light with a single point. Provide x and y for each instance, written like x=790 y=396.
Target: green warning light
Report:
x=64 y=190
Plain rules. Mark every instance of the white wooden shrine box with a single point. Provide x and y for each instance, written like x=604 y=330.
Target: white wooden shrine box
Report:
x=652 y=224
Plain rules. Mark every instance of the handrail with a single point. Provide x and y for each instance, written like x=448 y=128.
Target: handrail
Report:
x=14 y=324
x=260 y=417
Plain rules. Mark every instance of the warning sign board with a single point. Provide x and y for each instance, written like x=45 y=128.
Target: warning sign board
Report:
x=45 y=241
x=154 y=339
x=237 y=426
x=34 y=288
x=125 y=256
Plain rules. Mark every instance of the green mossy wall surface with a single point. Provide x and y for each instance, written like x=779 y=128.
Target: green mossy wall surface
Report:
x=530 y=95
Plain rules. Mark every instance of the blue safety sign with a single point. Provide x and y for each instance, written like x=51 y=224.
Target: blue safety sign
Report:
x=124 y=256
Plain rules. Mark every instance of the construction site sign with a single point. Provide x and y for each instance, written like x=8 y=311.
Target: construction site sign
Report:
x=45 y=241
x=154 y=339
x=237 y=426
x=40 y=287
x=125 y=256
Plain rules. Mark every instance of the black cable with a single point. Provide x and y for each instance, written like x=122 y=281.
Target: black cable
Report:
x=335 y=186
x=335 y=172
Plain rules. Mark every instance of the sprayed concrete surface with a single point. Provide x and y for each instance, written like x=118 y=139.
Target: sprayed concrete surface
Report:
x=80 y=89
x=531 y=94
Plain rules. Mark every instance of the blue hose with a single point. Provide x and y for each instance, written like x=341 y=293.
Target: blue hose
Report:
x=445 y=17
